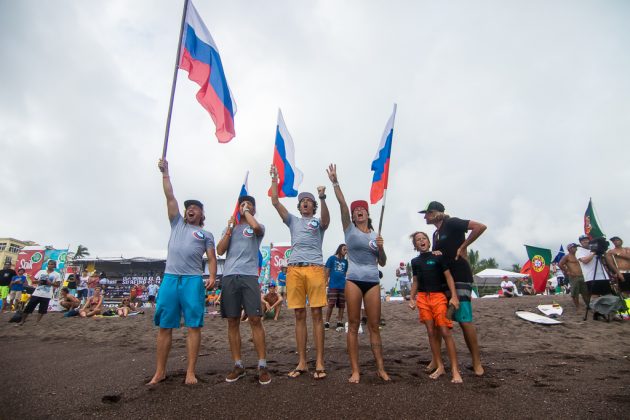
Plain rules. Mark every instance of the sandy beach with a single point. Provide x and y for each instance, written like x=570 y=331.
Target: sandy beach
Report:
x=73 y=368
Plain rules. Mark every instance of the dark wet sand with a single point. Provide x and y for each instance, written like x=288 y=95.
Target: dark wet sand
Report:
x=73 y=368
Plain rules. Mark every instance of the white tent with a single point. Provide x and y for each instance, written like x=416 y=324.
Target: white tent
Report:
x=494 y=276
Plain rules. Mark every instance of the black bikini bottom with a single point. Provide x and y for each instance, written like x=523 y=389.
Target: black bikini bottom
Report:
x=364 y=286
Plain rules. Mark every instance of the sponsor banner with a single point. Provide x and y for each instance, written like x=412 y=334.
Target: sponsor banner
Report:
x=265 y=252
x=58 y=255
x=31 y=261
x=140 y=279
x=279 y=256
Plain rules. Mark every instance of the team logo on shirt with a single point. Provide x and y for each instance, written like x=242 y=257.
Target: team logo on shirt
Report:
x=373 y=245
x=313 y=225
x=430 y=262
x=248 y=232
x=199 y=235
x=538 y=262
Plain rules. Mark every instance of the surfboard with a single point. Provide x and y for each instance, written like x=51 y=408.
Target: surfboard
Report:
x=551 y=311
x=538 y=319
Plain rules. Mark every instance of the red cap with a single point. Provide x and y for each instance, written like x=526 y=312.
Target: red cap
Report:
x=359 y=203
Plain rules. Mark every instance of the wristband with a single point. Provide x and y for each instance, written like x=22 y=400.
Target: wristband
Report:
x=322 y=197
x=335 y=184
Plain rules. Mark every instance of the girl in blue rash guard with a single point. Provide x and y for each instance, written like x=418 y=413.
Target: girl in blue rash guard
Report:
x=365 y=253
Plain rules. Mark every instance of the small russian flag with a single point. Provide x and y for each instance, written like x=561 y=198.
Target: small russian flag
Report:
x=244 y=191
x=380 y=165
x=289 y=176
x=199 y=56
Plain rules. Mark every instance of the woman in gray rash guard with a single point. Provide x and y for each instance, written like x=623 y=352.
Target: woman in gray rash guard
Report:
x=365 y=253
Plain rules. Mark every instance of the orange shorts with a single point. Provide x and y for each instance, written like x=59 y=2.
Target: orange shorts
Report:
x=432 y=306
x=306 y=281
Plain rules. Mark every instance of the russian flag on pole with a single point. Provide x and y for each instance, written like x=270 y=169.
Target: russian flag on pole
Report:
x=199 y=56
x=380 y=165
x=244 y=191
x=289 y=176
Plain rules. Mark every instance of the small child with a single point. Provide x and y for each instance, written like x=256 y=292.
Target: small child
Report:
x=431 y=278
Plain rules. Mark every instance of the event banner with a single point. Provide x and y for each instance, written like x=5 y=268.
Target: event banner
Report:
x=58 y=255
x=31 y=260
x=540 y=258
x=265 y=252
x=279 y=256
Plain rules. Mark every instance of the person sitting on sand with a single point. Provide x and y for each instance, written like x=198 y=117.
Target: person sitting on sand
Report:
x=69 y=302
x=527 y=287
x=431 y=277
x=94 y=305
x=125 y=307
x=366 y=252
x=272 y=302
x=508 y=287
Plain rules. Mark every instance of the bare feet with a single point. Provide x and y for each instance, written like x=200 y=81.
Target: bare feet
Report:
x=156 y=379
x=383 y=375
x=354 y=379
x=191 y=379
x=438 y=372
x=457 y=378
x=430 y=367
x=478 y=370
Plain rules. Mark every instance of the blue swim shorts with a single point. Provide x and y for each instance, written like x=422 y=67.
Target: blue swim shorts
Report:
x=464 y=313
x=177 y=295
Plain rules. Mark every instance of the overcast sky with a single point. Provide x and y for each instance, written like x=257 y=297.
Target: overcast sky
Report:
x=509 y=113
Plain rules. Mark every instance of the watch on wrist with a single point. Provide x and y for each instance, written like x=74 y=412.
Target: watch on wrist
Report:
x=322 y=197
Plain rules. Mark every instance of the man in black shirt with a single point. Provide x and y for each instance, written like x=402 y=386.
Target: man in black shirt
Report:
x=450 y=239
x=6 y=275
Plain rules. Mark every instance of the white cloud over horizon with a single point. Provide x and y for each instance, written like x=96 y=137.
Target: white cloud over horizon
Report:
x=512 y=114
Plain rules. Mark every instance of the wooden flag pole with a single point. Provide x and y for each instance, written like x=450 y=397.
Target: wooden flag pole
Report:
x=170 y=104
x=380 y=222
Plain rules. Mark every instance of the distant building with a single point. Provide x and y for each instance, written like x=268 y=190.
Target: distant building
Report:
x=9 y=248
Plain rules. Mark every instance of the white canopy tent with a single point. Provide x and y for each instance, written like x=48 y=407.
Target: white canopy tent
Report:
x=494 y=276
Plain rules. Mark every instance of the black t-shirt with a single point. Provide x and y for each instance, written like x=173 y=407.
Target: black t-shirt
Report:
x=6 y=276
x=429 y=270
x=447 y=239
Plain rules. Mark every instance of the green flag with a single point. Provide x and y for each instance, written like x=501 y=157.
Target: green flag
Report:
x=591 y=227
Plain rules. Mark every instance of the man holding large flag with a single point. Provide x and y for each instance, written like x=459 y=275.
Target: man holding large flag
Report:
x=306 y=275
x=182 y=290
x=450 y=239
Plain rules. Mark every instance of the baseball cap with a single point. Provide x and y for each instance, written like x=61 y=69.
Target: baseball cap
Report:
x=359 y=203
x=572 y=245
x=615 y=238
x=304 y=195
x=433 y=206
x=197 y=203
x=583 y=237
x=247 y=198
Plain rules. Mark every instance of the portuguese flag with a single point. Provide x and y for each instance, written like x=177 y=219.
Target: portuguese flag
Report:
x=591 y=227
x=540 y=260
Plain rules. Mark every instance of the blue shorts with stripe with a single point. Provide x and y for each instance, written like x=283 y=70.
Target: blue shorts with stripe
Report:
x=180 y=294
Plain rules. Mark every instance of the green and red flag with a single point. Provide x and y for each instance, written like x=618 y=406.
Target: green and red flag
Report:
x=540 y=260
x=591 y=227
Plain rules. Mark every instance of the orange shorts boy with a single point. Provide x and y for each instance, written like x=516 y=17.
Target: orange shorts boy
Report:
x=432 y=306
x=303 y=282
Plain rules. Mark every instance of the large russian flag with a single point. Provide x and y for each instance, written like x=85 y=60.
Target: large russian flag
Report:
x=380 y=165
x=289 y=176
x=244 y=191
x=199 y=56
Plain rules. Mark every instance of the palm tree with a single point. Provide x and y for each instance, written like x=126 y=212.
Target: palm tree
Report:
x=82 y=251
x=473 y=259
x=516 y=268
x=487 y=263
